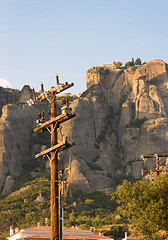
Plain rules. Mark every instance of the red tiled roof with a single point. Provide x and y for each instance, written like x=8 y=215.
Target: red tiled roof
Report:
x=35 y=237
x=97 y=237
x=39 y=228
x=69 y=237
x=68 y=233
x=65 y=229
x=66 y=237
x=71 y=229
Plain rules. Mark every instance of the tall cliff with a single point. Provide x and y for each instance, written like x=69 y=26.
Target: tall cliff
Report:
x=122 y=115
x=18 y=143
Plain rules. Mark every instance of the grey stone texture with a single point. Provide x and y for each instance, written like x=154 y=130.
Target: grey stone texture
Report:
x=121 y=116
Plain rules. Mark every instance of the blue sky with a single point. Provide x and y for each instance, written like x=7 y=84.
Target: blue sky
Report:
x=42 y=38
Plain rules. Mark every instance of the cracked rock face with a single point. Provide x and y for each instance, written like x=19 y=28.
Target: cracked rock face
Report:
x=121 y=116
x=9 y=184
x=16 y=137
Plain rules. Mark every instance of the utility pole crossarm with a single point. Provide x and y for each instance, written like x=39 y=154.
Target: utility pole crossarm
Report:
x=157 y=157
x=59 y=119
x=154 y=170
x=154 y=155
x=59 y=147
x=61 y=87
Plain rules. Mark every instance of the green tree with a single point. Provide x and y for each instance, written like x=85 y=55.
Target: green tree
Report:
x=116 y=231
x=145 y=206
x=118 y=64
x=89 y=202
x=133 y=62
x=130 y=63
x=123 y=98
x=138 y=61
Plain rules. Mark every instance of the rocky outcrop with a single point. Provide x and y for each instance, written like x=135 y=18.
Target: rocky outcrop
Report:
x=41 y=198
x=25 y=94
x=18 y=143
x=8 y=96
x=14 y=96
x=9 y=184
x=122 y=115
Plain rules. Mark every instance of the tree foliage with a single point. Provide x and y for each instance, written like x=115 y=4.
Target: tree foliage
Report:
x=141 y=204
x=138 y=61
x=83 y=209
x=123 y=98
x=118 y=64
x=145 y=206
x=20 y=210
x=130 y=63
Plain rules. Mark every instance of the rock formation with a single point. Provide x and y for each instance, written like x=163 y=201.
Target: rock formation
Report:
x=18 y=143
x=25 y=94
x=122 y=115
x=8 y=96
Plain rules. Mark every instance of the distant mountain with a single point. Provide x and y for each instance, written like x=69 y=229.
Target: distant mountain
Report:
x=122 y=115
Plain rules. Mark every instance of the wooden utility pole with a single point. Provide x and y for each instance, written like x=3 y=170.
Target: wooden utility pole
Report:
x=157 y=157
x=52 y=153
x=54 y=177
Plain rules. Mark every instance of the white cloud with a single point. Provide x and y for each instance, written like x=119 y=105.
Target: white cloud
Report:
x=4 y=83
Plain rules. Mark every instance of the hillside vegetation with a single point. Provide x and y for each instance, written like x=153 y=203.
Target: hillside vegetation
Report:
x=140 y=204
x=20 y=208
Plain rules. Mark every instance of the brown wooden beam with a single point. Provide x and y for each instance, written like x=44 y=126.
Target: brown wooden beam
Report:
x=60 y=147
x=60 y=88
x=55 y=90
x=59 y=119
x=153 y=155
x=54 y=176
x=154 y=170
